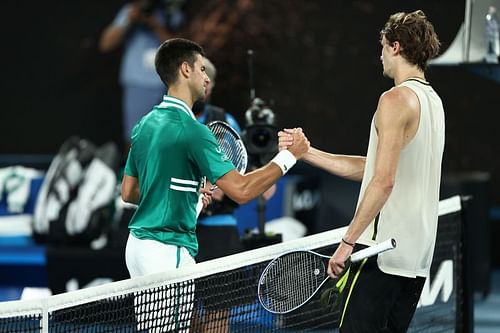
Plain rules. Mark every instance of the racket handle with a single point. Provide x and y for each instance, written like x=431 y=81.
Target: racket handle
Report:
x=373 y=250
x=199 y=206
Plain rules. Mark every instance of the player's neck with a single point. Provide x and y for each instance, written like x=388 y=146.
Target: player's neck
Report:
x=182 y=94
x=408 y=73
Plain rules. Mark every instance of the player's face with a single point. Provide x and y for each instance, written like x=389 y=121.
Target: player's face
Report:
x=200 y=80
x=385 y=58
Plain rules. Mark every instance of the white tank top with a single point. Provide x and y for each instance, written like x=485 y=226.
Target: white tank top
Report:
x=410 y=214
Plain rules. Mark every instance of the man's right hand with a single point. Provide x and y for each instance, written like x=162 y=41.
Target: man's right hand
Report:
x=294 y=140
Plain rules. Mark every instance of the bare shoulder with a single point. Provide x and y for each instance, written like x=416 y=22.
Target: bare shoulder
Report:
x=399 y=97
x=398 y=103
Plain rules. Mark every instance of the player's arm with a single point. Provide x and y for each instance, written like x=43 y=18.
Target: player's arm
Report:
x=346 y=166
x=391 y=121
x=243 y=188
x=130 y=189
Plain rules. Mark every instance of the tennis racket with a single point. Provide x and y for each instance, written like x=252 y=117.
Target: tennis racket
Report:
x=292 y=279
x=231 y=144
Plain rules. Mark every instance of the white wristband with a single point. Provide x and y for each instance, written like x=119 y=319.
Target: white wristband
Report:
x=285 y=160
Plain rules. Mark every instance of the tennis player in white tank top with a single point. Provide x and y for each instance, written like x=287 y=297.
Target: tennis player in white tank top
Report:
x=400 y=178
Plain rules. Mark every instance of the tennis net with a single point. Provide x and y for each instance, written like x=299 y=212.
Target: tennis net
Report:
x=221 y=295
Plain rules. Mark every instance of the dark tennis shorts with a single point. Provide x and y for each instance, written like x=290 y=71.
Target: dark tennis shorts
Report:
x=378 y=302
x=215 y=242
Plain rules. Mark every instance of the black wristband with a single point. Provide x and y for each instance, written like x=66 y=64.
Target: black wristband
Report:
x=350 y=244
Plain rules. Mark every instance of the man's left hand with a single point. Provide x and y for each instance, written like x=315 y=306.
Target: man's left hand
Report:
x=337 y=262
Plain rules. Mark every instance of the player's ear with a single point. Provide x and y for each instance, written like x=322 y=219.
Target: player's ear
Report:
x=396 y=47
x=185 y=69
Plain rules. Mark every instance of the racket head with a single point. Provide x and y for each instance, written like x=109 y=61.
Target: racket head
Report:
x=291 y=280
x=230 y=142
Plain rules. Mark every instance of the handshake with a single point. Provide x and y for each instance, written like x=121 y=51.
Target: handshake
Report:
x=293 y=145
x=293 y=140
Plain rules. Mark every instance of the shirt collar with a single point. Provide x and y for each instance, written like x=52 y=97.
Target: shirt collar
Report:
x=176 y=102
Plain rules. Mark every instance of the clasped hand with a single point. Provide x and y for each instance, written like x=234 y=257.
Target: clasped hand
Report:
x=294 y=140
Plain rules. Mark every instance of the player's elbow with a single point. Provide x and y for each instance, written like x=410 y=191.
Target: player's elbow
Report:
x=241 y=201
x=237 y=187
x=386 y=184
x=127 y=197
x=239 y=193
x=241 y=197
x=130 y=194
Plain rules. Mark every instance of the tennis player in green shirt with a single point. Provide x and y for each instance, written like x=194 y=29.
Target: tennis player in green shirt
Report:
x=170 y=153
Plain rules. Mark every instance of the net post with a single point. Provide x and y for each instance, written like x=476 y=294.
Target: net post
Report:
x=45 y=315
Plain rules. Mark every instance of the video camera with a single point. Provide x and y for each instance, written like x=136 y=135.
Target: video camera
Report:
x=260 y=133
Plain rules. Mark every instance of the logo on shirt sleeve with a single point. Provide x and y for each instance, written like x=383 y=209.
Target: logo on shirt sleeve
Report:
x=223 y=155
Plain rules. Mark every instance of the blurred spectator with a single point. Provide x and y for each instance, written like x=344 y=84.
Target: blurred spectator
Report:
x=492 y=36
x=141 y=26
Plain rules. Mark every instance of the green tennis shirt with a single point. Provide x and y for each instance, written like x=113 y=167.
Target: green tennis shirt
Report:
x=170 y=153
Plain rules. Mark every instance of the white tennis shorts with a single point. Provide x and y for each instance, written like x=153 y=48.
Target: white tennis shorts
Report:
x=165 y=309
x=145 y=256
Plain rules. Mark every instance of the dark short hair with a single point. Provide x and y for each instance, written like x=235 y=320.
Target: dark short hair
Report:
x=171 y=54
x=416 y=36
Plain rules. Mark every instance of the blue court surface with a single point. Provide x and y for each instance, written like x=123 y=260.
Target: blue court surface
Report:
x=487 y=311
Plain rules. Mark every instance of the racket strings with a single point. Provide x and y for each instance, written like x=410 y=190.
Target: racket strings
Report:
x=232 y=146
x=292 y=280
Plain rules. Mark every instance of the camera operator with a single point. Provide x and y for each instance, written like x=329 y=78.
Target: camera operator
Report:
x=140 y=26
x=216 y=228
x=260 y=136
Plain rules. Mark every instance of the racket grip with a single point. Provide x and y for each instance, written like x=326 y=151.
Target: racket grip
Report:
x=199 y=206
x=373 y=250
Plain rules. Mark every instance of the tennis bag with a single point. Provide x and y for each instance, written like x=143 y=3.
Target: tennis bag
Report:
x=75 y=202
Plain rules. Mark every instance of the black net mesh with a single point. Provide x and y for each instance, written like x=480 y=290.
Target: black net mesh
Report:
x=440 y=304
x=21 y=324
